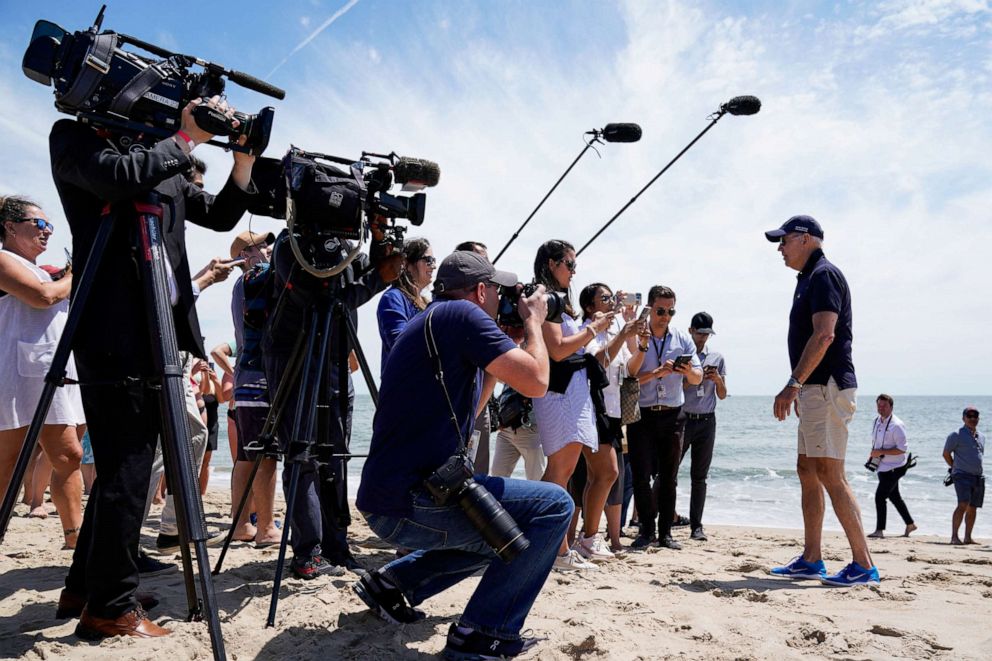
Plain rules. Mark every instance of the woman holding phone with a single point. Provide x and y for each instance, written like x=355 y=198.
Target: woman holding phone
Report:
x=565 y=416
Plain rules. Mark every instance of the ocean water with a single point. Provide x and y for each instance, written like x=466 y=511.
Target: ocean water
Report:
x=753 y=478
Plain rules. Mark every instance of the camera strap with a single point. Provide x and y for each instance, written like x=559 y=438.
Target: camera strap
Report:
x=96 y=65
x=439 y=375
x=135 y=88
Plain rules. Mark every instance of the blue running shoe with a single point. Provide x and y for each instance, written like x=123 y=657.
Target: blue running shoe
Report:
x=853 y=574
x=799 y=568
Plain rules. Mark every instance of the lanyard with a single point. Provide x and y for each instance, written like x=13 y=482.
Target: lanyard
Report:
x=662 y=352
x=874 y=433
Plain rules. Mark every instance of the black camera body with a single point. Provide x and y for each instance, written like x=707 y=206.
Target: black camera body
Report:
x=873 y=463
x=453 y=482
x=99 y=82
x=509 y=301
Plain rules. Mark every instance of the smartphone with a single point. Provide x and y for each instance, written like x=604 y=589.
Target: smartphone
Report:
x=234 y=262
x=631 y=299
x=211 y=364
x=645 y=314
x=682 y=360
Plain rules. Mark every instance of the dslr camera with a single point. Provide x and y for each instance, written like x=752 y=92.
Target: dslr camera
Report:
x=100 y=83
x=454 y=482
x=509 y=304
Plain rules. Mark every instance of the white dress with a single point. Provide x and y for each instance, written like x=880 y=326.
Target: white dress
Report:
x=28 y=338
x=568 y=417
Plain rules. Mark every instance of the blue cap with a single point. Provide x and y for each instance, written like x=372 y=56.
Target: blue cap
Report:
x=804 y=224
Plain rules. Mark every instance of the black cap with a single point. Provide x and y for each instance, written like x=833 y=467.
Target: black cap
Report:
x=969 y=408
x=702 y=322
x=804 y=224
x=464 y=268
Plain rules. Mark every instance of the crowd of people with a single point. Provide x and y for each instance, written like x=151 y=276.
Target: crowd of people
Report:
x=611 y=398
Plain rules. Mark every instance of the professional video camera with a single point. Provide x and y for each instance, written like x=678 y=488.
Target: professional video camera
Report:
x=509 y=300
x=324 y=204
x=101 y=84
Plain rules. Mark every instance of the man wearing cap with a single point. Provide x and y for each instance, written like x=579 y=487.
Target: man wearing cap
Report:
x=822 y=389
x=963 y=452
x=700 y=412
x=414 y=433
x=251 y=395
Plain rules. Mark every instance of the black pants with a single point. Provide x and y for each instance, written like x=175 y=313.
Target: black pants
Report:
x=699 y=437
x=124 y=426
x=654 y=447
x=888 y=488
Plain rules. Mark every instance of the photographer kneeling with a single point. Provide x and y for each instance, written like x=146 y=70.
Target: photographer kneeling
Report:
x=414 y=438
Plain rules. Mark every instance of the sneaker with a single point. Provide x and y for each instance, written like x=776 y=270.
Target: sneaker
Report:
x=680 y=520
x=149 y=566
x=642 y=542
x=698 y=534
x=853 y=574
x=592 y=548
x=314 y=566
x=668 y=542
x=572 y=561
x=800 y=568
x=385 y=599
x=348 y=561
x=466 y=644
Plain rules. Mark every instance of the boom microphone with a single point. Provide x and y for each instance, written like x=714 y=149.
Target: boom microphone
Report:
x=742 y=105
x=621 y=132
x=418 y=171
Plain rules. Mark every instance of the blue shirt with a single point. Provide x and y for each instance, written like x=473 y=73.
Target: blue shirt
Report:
x=248 y=304
x=702 y=398
x=394 y=313
x=967 y=450
x=821 y=287
x=668 y=390
x=412 y=432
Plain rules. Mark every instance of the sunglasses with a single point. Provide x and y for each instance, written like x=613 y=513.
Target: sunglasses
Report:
x=784 y=239
x=662 y=312
x=40 y=223
x=569 y=264
x=428 y=259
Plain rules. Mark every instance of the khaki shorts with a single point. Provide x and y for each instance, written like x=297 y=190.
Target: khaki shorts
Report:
x=824 y=414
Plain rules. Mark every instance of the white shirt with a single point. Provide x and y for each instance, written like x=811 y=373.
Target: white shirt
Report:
x=889 y=433
x=617 y=369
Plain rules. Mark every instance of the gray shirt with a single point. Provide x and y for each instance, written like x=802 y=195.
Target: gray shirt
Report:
x=702 y=398
x=967 y=450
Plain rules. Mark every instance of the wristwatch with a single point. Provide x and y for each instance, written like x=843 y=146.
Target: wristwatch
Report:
x=794 y=383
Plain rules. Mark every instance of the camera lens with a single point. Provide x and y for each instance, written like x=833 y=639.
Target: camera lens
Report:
x=494 y=523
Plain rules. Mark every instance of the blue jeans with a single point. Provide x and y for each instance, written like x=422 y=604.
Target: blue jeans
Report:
x=451 y=550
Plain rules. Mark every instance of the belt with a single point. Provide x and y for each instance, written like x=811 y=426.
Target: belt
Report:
x=700 y=416
x=660 y=407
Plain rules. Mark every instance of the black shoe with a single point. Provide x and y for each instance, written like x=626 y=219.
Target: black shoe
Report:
x=314 y=566
x=680 y=520
x=167 y=543
x=643 y=542
x=698 y=534
x=149 y=566
x=348 y=561
x=386 y=601
x=477 y=646
x=667 y=542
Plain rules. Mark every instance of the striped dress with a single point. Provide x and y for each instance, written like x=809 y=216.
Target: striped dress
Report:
x=568 y=417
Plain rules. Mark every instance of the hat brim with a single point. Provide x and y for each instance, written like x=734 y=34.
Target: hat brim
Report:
x=708 y=331
x=504 y=278
x=775 y=235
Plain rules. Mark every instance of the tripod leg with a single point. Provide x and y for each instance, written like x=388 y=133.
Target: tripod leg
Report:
x=56 y=374
x=175 y=433
x=362 y=363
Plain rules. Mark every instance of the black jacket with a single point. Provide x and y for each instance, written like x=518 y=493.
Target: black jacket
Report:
x=91 y=171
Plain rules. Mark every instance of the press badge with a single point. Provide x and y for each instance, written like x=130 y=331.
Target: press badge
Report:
x=700 y=391
x=473 y=445
x=661 y=391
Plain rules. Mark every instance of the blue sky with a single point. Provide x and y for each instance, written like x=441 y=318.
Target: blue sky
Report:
x=875 y=121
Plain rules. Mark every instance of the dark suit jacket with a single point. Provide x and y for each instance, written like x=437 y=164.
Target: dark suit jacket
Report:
x=90 y=171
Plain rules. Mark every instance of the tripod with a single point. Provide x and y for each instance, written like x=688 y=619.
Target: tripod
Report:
x=150 y=253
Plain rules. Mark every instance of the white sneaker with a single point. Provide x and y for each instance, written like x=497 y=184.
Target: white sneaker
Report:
x=593 y=548
x=572 y=561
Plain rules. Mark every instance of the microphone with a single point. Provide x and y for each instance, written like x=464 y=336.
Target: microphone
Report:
x=416 y=171
x=621 y=132
x=742 y=105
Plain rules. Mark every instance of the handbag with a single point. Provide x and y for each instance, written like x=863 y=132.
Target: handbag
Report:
x=514 y=409
x=630 y=395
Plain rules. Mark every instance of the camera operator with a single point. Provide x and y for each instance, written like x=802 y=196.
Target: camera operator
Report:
x=413 y=438
x=321 y=516
x=112 y=348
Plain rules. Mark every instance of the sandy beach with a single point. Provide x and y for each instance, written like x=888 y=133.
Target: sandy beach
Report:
x=710 y=601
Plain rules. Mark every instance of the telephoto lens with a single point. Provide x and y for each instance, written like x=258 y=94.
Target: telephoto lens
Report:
x=494 y=523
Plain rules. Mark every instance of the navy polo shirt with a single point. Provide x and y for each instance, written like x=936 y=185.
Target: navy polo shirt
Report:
x=412 y=432
x=821 y=287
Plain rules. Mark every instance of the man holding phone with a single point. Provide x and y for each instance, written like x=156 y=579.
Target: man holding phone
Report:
x=665 y=361
x=700 y=423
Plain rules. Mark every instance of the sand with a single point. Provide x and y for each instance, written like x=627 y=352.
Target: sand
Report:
x=712 y=600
